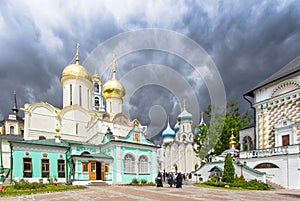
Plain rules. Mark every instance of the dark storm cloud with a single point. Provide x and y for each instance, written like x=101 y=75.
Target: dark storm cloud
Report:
x=247 y=40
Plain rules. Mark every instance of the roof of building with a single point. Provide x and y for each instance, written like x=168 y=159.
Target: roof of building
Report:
x=288 y=69
x=96 y=155
x=13 y=117
x=12 y=137
x=251 y=125
x=46 y=142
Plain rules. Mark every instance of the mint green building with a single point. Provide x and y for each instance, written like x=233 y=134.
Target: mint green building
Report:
x=116 y=160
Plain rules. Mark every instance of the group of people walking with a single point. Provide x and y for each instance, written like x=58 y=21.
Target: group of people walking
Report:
x=173 y=179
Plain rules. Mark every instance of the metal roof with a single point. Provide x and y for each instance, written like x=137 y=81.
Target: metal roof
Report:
x=290 y=68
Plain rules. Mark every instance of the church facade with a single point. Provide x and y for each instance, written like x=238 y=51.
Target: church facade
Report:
x=88 y=139
x=271 y=144
x=177 y=151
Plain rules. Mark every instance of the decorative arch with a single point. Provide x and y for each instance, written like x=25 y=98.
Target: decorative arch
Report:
x=121 y=118
x=285 y=87
x=266 y=165
x=43 y=107
x=247 y=143
x=69 y=108
x=85 y=152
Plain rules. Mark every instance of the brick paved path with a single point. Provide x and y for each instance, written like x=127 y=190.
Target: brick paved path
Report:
x=151 y=193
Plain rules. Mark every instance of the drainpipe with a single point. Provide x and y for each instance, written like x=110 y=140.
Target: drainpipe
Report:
x=67 y=164
x=254 y=114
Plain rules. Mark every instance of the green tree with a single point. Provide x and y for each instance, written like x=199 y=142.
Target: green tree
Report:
x=233 y=122
x=199 y=139
x=228 y=175
x=216 y=134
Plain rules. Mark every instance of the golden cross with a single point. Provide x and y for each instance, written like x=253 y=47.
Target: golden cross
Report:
x=114 y=57
x=77 y=53
x=184 y=103
x=232 y=131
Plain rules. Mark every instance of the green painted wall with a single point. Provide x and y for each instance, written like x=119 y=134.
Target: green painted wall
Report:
x=36 y=157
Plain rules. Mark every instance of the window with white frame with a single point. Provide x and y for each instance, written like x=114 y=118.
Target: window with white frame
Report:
x=129 y=163
x=143 y=165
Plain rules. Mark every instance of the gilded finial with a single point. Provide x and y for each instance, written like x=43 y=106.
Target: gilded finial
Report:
x=77 y=53
x=184 y=103
x=232 y=141
x=57 y=131
x=114 y=58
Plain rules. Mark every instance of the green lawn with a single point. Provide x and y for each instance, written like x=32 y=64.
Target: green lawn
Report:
x=10 y=190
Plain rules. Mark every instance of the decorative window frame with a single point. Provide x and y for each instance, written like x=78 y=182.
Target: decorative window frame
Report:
x=143 y=166
x=61 y=168
x=129 y=165
x=285 y=127
x=27 y=171
x=45 y=168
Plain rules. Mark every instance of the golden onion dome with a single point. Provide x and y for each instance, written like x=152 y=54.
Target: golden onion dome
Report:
x=232 y=139
x=74 y=71
x=113 y=88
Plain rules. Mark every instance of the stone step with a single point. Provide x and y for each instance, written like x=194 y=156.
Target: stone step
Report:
x=98 y=183
x=274 y=185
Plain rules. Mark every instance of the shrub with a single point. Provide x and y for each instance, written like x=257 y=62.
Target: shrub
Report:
x=135 y=181
x=237 y=178
x=144 y=181
x=215 y=179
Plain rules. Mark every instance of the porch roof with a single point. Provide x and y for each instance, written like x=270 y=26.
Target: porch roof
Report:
x=96 y=155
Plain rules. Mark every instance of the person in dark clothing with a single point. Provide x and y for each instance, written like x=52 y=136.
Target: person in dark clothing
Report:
x=179 y=180
x=170 y=179
x=159 y=182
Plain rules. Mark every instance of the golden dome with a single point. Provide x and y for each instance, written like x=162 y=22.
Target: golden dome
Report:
x=96 y=77
x=74 y=71
x=113 y=88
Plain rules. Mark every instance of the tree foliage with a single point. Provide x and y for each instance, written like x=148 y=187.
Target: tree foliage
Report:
x=228 y=175
x=216 y=134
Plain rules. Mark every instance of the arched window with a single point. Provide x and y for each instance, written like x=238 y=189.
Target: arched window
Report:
x=80 y=96
x=96 y=101
x=96 y=87
x=77 y=128
x=266 y=165
x=11 y=130
x=184 y=138
x=182 y=128
x=129 y=162
x=71 y=95
x=143 y=165
x=88 y=97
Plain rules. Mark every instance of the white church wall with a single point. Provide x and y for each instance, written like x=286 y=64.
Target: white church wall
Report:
x=265 y=92
x=78 y=85
x=287 y=175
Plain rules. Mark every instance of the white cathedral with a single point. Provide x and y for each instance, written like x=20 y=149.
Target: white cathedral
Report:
x=84 y=116
x=177 y=152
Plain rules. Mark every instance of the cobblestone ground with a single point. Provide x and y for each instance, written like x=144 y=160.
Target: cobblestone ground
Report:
x=151 y=193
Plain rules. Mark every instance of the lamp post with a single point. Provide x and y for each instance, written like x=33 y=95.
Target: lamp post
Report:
x=242 y=165
x=1 y=161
